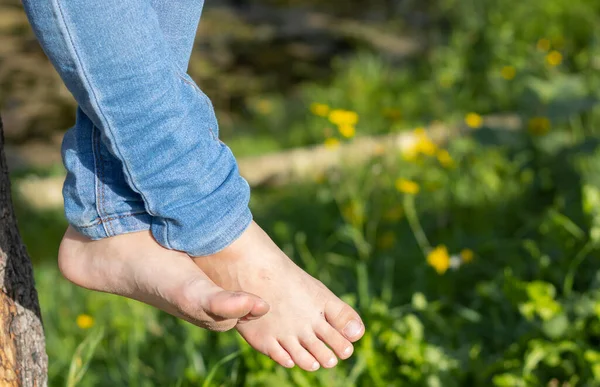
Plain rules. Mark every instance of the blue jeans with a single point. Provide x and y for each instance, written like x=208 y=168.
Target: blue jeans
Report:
x=144 y=152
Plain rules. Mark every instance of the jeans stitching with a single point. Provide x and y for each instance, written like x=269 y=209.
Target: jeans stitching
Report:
x=98 y=179
x=111 y=218
x=102 y=174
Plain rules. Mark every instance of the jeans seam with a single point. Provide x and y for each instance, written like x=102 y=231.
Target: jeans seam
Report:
x=102 y=177
x=94 y=99
x=111 y=218
x=98 y=184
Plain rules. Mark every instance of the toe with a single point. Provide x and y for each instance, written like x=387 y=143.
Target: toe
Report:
x=345 y=320
x=319 y=350
x=342 y=347
x=276 y=352
x=299 y=354
x=227 y=304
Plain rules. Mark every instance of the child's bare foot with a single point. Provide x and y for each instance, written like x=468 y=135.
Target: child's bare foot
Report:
x=136 y=266
x=304 y=315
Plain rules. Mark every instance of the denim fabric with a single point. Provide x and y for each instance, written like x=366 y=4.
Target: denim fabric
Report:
x=144 y=152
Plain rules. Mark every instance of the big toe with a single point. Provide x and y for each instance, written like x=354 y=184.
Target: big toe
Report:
x=236 y=305
x=345 y=320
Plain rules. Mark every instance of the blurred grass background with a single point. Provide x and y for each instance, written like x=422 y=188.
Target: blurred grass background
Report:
x=473 y=262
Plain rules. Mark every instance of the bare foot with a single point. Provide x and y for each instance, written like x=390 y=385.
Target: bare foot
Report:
x=305 y=316
x=134 y=265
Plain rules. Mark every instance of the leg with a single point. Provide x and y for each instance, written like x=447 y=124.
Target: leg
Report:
x=100 y=203
x=307 y=315
x=113 y=57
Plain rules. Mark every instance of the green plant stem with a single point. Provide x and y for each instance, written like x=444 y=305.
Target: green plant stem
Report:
x=570 y=276
x=362 y=276
x=415 y=225
x=224 y=360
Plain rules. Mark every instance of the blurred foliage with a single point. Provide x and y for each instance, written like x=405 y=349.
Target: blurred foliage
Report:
x=472 y=264
x=518 y=302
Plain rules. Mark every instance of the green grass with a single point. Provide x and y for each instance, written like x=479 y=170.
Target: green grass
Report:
x=524 y=311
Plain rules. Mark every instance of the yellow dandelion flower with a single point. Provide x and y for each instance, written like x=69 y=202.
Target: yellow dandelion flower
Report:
x=473 y=120
x=85 y=321
x=554 y=58
x=264 y=106
x=410 y=154
x=543 y=44
x=539 y=126
x=343 y=117
x=445 y=159
x=419 y=132
x=426 y=146
x=422 y=144
x=467 y=255
x=331 y=143
x=393 y=214
x=319 y=109
x=508 y=72
x=439 y=259
x=386 y=241
x=347 y=131
x=407 y=186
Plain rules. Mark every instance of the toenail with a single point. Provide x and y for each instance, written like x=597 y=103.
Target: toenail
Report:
x=352 y=329
x=348 y=351
x=289 y=363
x=331 y=362
x=315 y=366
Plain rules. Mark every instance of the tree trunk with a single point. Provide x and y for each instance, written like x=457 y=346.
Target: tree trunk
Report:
x=23 y=359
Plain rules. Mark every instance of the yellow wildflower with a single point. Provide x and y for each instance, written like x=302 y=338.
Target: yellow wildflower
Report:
x=85 y=321
x=421 y=145
x=439 y=259
x=386 y=241
x=467 y=255
x=319 y=109
x=425 y=146
x=407 y=186
x=445 y=159
x=264 y=106
x=393 y=214
x=543 y=44
x=343 y=117
x=410 y=154
x=347 y=131
x=420 y=132
x=331 y=143
x=508 y=72
x=539 y=126
x=554 y=58
x=474 y=120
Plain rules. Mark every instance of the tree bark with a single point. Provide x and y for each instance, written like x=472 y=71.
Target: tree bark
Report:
x=23 y=359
